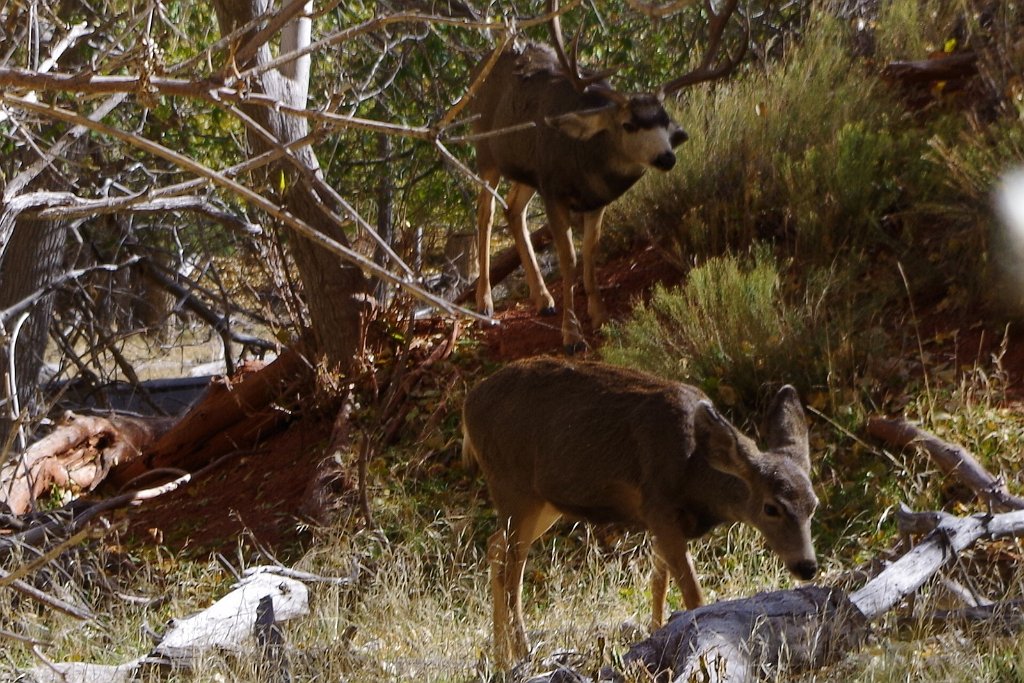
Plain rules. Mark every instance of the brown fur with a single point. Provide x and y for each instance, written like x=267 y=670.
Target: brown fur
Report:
x=584 y=150
x=595 y=442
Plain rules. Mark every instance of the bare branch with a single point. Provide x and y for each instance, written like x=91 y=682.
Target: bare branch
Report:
x=380 y=22
x=11 y=311
x=659 y=11
x=254 y=198
x=485 y=71
x=21 y=181
x=220 y=323
x=316 y=181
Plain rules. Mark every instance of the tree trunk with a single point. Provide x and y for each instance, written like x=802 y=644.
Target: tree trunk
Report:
x=334 y=290
x=32 y=259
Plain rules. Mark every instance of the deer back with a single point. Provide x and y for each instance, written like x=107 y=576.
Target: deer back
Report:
x=578 y=150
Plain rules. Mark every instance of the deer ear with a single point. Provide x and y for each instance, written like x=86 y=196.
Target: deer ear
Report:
x=787 y=427
x=716 y=439
x=581 y=125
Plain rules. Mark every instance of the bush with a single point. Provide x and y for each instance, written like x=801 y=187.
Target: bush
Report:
x=731 y=331
x=813 y=153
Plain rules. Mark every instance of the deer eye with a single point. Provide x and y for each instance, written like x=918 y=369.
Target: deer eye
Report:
x=771 y=510
x=629 y=127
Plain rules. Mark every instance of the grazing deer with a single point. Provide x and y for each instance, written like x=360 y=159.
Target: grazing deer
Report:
x=599 y=443
x=588 y=145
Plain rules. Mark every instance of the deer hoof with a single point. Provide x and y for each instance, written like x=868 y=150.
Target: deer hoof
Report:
x=548 y=311
x=575 y=348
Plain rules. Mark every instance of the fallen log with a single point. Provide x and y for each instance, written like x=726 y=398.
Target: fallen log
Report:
x=78 y=455
x=949 y=67
x=741 y=640
x=776 y=634
x=231 y=623
x=235 y=413
x=951 y=459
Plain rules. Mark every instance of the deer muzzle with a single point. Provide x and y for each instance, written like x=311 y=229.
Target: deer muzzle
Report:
x=664 y=161
x=804 y=569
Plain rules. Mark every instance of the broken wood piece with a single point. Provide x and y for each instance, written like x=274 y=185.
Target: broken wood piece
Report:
x=83 y=672
x=78 y=454
x=235 y=413
x=951 y=459
x=948 y=67
x=229 y=623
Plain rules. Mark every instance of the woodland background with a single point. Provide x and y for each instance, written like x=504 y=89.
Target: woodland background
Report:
x=175 y=194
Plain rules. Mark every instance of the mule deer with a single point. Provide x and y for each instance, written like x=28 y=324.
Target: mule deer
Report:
x=599 y=443
x=589 y=144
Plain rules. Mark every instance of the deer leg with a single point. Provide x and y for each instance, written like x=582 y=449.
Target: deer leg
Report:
x=484 y=221
x=561 y=231
x=501 y=554
x=518 y=200
x=508 y=550
x=591 y=237
x=659 y=589
x=671 y=549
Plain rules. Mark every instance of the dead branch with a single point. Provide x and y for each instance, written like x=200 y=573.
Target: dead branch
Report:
x=945 y=68
x=950 y=536
x=49 y=600
x=951 y=459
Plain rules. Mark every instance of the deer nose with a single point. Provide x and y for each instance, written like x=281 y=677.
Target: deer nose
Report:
x=805 y=569
x=665 y=161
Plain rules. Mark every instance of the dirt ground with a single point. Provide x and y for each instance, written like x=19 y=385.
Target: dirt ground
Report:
x=267 y=496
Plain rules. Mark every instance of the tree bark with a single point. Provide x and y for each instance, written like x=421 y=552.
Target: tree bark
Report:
x=79 y=453
x=33 y=257
x=334 y=290
x=235 y=414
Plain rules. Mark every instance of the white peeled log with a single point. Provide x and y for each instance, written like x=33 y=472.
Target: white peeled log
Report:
x=228 y=623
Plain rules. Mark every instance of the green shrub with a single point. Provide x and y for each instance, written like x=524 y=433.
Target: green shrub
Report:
x=814 y=154
x=731 y=331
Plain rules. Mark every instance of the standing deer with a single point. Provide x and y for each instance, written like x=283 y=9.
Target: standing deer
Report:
x=589 y=144
x=599 y=443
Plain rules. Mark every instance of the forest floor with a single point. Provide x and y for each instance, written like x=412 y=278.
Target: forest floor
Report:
x=273 y=504
x=270 y=504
